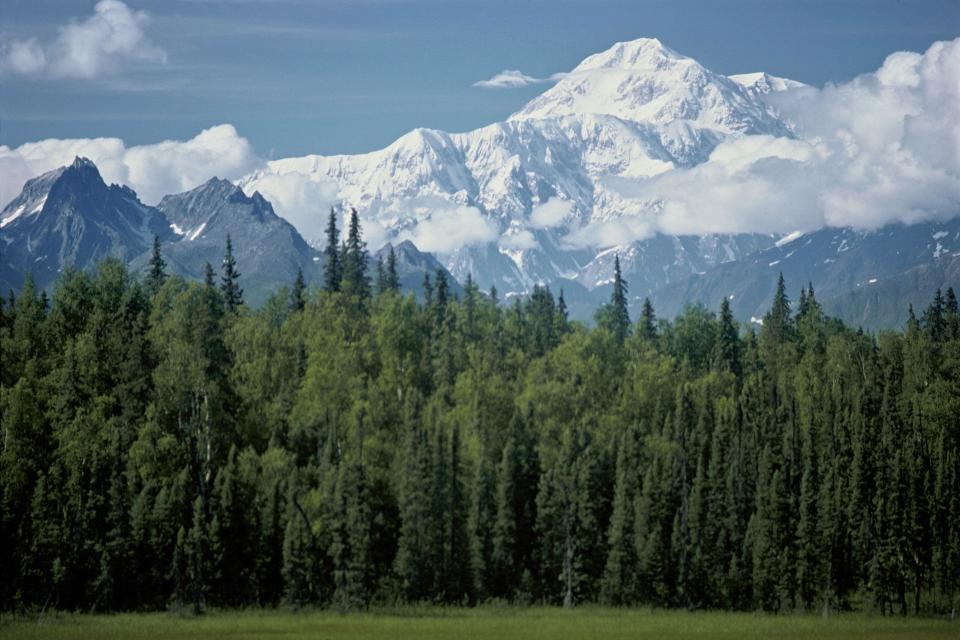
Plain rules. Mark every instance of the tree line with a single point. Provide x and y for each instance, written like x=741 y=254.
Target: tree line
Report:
x=164 y=445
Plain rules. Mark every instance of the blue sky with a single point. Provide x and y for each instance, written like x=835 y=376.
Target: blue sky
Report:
x=346 y=76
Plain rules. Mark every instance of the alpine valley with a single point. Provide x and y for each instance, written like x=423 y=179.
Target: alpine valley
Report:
x=541 y=198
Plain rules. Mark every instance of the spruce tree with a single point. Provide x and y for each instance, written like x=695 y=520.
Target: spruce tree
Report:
x=157 y=274
x=332 y=269
x=777 y=323
x=427 y=286
x=298 y=293
x=414 y=560
x=393 y=278
x=503 y=556
x=619 y=586
x=208 y=277
x=229 y=284
x=951 y=315
x=726 y=349
x=354 y=280
x=298 y=566
x=459 y=582
x=933 y=318
x=618 y=303
x=648 y=321
x=196 y=549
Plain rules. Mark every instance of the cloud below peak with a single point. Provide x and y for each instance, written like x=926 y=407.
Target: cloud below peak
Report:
x=514 y=79
x=112 y=37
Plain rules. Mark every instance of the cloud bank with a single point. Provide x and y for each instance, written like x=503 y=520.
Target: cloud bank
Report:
x=444 y=230
x=882 y=148
x=152 y=170
x=101 y=44
x=514 y=79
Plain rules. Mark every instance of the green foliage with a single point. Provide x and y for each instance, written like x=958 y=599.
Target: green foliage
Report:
x=163 y=445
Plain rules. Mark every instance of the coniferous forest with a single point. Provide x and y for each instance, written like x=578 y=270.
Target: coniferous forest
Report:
x=166 y=446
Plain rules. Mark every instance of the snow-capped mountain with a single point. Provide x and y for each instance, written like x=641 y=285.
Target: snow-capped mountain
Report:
x=70 y=217
x=628 y=113
x=645 y=81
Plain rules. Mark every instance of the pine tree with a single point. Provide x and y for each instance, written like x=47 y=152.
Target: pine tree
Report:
x=503 y=556
x=726 y=349
x=459 y=580
x=933 y=318
x=572 y=548
x=208 y=277
x=951 y=315
x=196 y=549
x=562 y=315
x=298 y=566
x=157 y=274
x=350 y=550
x=441 y=293
x=620 y=315
x=427 y=291
x=777 y=323
x=354 y=280
x=232 y=293
x=332 y=269
x=648 y=321
x=393 y=278
x=483 y=512
x=298 y=294
x=414 y=562
x=619 y=586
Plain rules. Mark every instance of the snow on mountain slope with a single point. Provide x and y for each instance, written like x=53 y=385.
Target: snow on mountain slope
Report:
x=632 y=112
x=645 y=81
x=763 y=83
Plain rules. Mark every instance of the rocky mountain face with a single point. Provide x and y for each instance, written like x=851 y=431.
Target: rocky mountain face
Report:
x=866 y=277
x=70 y=217
x=267 y=248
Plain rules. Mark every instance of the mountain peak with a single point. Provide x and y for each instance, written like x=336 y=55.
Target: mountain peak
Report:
x=642 y=53
x=647 y=82
x=80 y=162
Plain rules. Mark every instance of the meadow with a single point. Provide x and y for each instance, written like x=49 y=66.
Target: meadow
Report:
x=477 y=624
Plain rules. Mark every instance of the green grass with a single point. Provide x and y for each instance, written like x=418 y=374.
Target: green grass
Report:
x=477 y=624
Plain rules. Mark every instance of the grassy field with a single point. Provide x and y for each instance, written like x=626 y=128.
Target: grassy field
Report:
x=477 y=624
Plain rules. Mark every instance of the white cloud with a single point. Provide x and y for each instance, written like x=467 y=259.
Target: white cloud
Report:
x=514 y=79
x=152 y=170
x=551 y=213
x=113 y=36
x=24 y=56
x=522 y=239
x=882 y=148
x=444 y=230
x=610 y=233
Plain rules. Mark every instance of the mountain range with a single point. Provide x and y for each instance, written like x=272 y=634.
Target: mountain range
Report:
x=543 y=197
x=70 y=218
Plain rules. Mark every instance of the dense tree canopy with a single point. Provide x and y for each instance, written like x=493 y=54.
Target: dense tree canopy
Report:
x=164 y=445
